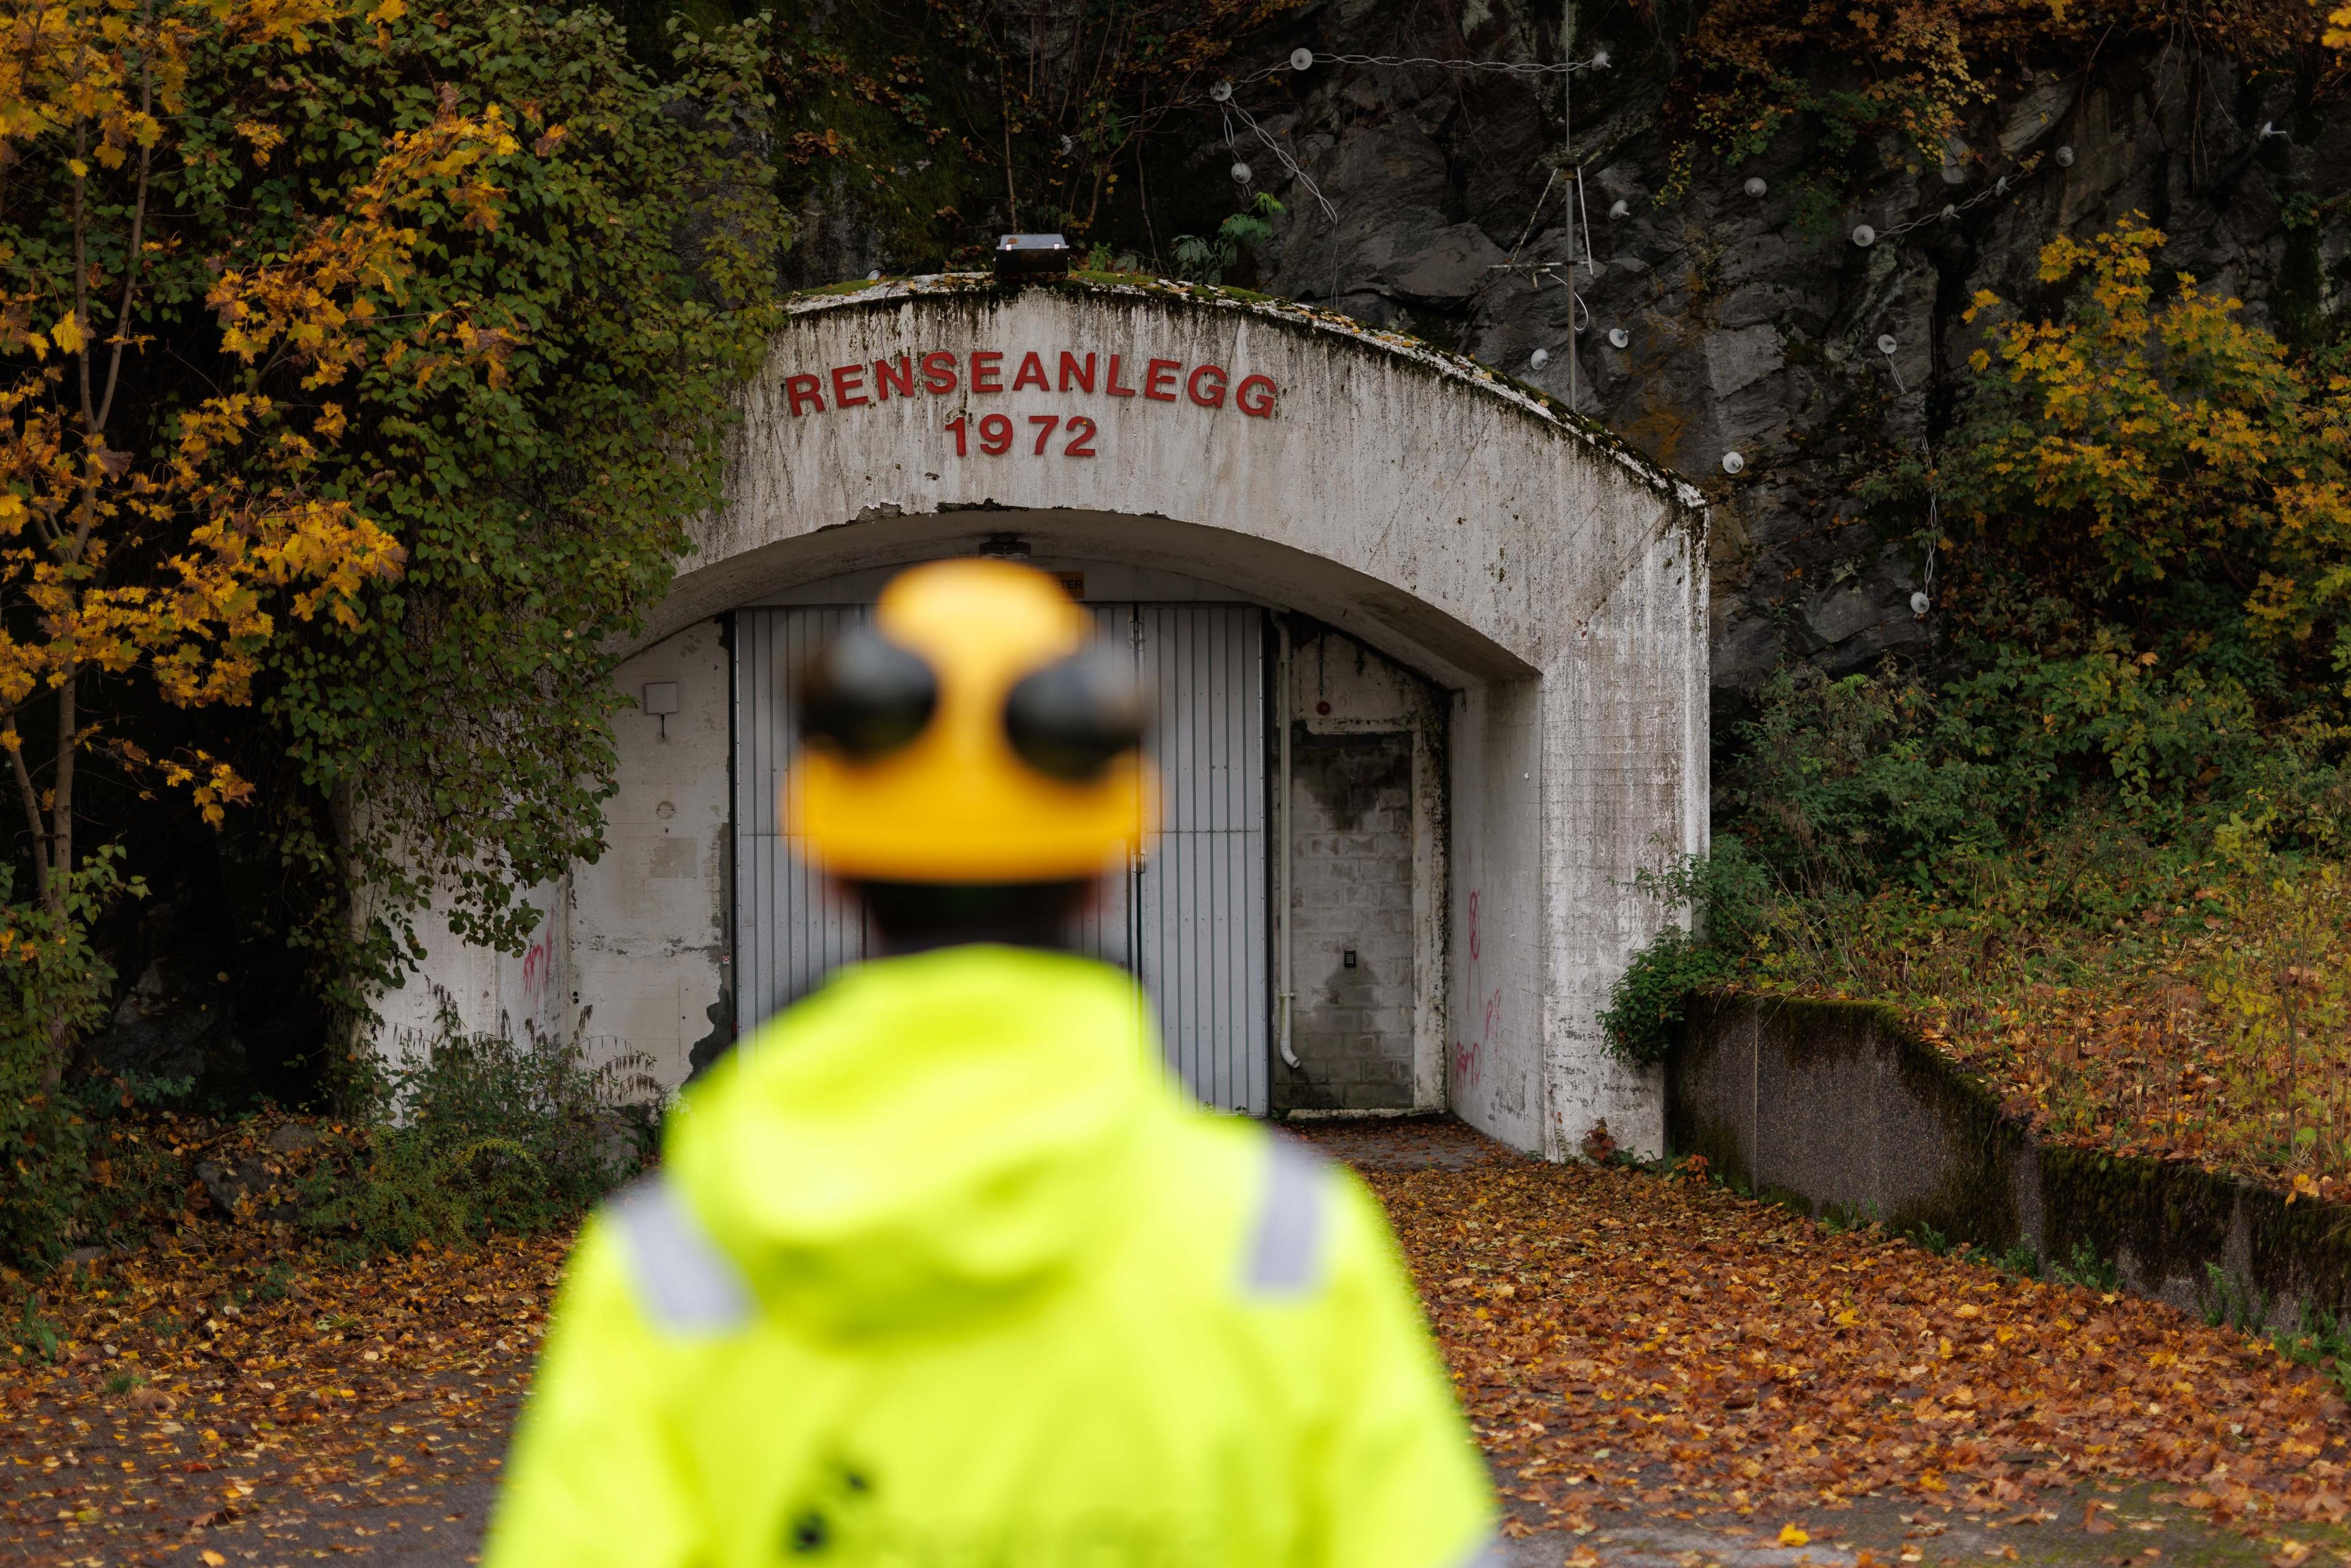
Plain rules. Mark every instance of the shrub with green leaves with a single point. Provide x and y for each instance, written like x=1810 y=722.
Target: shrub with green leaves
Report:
x=48 y=974
x=469 y=1133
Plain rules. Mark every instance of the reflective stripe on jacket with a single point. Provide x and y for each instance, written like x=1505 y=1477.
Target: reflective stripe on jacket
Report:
x=941 y=1270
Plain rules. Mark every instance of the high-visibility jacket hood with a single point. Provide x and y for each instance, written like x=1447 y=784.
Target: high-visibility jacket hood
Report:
x=925 y=1138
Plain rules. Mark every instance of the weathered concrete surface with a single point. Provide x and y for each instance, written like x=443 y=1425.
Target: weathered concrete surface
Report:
x=1368 y=845
x=1840 y=1107
x=650 y=921
x=1464 y=526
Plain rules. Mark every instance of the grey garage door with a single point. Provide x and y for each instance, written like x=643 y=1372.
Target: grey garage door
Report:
x=1189 y=917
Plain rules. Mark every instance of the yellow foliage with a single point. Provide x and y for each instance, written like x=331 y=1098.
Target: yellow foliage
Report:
x=177 y=568
x=2150 y=441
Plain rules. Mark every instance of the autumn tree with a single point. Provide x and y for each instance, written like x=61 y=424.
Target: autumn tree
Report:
x=360 y=368
x=2161 y=467
x=174 y=562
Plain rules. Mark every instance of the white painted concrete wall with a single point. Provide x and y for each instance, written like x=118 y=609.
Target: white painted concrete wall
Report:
x=1461 y=525
x=651 y=954
x=479 y=990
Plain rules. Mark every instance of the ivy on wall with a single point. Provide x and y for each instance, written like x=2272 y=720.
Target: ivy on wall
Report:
x=461 y=730
x=367 y=362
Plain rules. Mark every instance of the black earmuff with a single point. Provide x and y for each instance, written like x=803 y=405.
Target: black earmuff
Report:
x=1069 y=719
x=865 y=696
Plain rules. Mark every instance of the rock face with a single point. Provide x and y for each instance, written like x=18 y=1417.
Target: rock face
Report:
x=1755 y=324
x=173 y=1022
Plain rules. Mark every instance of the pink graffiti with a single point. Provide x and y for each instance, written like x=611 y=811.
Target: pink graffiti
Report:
x=538 y=962
x=1468 y=1056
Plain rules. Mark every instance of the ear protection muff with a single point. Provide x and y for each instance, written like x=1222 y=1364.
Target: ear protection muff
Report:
x=973 y=731
x=1069 y=719
x=865 y=696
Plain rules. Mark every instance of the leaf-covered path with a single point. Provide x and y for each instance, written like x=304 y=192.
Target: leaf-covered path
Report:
x=1662 y=1373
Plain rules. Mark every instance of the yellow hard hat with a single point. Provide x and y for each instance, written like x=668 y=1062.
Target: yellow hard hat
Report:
x=971 y=732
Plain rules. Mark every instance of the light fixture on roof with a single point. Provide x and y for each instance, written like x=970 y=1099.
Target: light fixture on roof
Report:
x=1023 y=258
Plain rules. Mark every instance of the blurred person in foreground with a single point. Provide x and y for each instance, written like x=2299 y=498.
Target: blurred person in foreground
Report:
x=940 y=1268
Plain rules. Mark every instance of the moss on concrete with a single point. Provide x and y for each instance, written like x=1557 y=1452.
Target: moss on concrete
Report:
x=2166 y=1224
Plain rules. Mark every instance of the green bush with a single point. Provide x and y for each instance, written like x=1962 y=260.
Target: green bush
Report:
x=1727 y=897
x=53 y=988
x=470 y=1134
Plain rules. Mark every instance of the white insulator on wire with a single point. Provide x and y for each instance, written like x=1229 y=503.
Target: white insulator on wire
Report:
x=1618 y=337
x=1921 y=604
x=2064 y=157
x=1620 y=208
x=1599 y=59
x=1755 y=185
x=1732 y=462
x=1863 y=236
x=1540 y=357
x=1949 y=211
x=1301 y=59
x=1241 y=173
x=1222 y=93
x=1886 y=345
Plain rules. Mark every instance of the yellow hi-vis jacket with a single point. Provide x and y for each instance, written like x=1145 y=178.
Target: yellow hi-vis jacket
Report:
x=940 y=1271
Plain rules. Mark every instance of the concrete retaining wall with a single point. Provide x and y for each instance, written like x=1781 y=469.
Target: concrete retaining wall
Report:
x=1841 y=1107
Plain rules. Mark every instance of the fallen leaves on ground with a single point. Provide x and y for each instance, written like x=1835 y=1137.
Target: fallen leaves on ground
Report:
x=2208 y=1022
x=1625 y=1340
x=223 y=1377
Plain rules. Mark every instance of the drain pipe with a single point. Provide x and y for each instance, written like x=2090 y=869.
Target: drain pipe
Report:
x=1285 y=996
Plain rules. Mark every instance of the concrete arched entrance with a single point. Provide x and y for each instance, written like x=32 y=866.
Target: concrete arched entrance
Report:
x=1546 y=584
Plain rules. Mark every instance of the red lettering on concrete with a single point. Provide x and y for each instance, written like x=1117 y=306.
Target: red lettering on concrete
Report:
x=903 y=375
x=887 y=380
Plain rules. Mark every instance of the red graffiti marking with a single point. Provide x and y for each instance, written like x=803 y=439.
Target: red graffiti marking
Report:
x=1469 y=1055
x=538 y=963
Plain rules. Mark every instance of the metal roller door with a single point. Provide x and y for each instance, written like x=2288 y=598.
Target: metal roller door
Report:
x=1189 y=917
